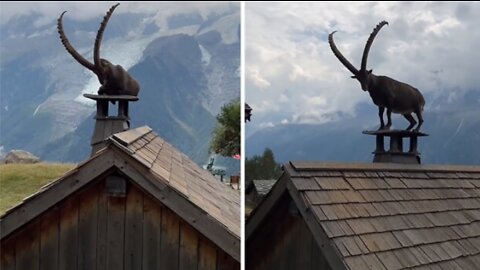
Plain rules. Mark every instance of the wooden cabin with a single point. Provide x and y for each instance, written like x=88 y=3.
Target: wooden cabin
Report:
x=367 y=216
x=138 y=203
x=256 y=190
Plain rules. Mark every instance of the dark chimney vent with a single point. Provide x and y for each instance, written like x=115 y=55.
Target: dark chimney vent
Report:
x=396 y=154
x=106 y=125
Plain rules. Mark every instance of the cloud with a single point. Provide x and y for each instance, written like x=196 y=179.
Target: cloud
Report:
x=82 y=11
x=431 y=46
x=299 y=73
x=254 y=75
x=283 y=98
x=315 y=101
x=49 y=11
x=442 y=27
x=267 y=125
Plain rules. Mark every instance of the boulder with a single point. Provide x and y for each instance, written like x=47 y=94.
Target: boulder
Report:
x=20 y=156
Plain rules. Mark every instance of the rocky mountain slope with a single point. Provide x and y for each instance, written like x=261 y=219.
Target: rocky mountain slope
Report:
x=187 y=71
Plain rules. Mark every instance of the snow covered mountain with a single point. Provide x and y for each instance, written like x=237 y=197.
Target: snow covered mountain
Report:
x=187 y=65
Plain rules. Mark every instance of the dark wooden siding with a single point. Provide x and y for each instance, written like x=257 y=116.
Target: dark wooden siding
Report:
x=284 y=242
x=90 y=230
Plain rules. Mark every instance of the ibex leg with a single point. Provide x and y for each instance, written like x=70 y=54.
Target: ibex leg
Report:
x=380 y=114
x=411 y=120
x=420 y=120
x=389 y=118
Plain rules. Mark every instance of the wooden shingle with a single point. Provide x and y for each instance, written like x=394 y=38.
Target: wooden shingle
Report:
x=332 y=183
x=305 y=183
x=390 y=216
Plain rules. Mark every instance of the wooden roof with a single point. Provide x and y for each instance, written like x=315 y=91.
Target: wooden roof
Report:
x=175 y=169
x=157 y=167
x=385 y=216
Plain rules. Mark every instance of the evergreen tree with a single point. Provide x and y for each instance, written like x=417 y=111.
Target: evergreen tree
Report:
x=262 y=167
x=226 y=136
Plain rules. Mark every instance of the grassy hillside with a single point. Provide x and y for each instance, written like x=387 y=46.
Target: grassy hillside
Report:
x=18 y=181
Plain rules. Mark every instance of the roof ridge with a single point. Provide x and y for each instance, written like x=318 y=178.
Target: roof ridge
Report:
x=130 y=136
x=336 y=166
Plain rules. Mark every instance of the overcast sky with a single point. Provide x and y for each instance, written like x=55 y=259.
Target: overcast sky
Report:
x=293 y=76
x=50 y=11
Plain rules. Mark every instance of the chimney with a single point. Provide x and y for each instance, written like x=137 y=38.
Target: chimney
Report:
x=106 y=125
x=396 y=153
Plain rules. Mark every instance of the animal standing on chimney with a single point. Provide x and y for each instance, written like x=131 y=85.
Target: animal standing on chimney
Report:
x=386 y=93
x=114 y=79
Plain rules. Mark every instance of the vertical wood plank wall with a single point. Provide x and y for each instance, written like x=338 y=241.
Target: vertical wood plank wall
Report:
x=284 y=242
x=90 y=230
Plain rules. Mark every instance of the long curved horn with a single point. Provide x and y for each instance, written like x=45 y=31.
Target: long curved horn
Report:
x=98 y=39
x=369 y=44
x=339 y=55
x=84 y=62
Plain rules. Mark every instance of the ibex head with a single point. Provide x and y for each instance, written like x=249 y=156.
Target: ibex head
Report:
x=113 y=78
x=362 y=75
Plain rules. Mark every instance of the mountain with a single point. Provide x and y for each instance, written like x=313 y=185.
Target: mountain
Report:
x=453 y=126
x=186 y=72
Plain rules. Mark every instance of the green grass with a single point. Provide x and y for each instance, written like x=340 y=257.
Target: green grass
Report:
x=18 y=181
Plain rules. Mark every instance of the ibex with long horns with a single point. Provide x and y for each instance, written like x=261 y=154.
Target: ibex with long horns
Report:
x=385 y=92
x=113 y=78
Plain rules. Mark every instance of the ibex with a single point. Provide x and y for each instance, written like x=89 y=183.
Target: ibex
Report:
x=385 y=92
x=113 y=78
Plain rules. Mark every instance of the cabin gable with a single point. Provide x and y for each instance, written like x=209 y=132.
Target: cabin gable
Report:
x=284 y=241
x=93 y=230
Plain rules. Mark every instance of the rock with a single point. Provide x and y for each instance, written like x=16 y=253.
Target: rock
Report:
x=20 y=156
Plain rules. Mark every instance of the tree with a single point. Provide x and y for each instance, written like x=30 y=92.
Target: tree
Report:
x=262 y=167
x=226 y=135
